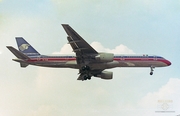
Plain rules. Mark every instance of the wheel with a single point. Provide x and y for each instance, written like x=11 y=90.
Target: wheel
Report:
x=85 y=68
x=86 y=77
x=151 y=73
x=89 y=77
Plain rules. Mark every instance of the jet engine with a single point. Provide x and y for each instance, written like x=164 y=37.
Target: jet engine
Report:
x=105 y=57
x=105 y=75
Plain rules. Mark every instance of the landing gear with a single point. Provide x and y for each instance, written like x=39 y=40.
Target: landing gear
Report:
x=87 y=77
x=152 y=69
x=85 y=73
x=151 y=73
x=85 y=68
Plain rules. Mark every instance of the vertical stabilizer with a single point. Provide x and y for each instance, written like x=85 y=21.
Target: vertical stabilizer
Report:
x=25 y=47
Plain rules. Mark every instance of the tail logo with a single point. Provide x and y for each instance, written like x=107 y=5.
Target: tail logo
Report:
x=24 y=47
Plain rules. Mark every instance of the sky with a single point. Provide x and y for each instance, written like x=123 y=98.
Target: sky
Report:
x=118 y=26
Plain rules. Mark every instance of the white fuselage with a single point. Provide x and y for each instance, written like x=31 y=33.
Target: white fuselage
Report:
x=119 y=61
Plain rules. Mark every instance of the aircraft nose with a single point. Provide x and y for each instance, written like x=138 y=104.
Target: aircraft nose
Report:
x=168 y=62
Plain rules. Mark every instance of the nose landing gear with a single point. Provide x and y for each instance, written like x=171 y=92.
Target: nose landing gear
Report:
x=151 y=73
x=152 y=69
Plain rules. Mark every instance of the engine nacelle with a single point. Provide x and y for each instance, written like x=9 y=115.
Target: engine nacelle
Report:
x=105 y=75
x=105 y=57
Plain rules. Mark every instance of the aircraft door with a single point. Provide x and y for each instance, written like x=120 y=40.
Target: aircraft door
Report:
x=122 y=58
x=66 y=58
x=38 y=58
x=155 y=57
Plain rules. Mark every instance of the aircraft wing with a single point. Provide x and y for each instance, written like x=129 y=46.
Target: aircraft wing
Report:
x=82 y=49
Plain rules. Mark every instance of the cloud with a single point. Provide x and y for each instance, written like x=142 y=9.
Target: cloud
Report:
x=60 y=93
x=121 y=49
x=66 y=49
x=168 y=93
x=44 y=110
x=68 y=96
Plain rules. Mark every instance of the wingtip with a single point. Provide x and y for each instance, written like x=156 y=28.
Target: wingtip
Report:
x=65 y=24
x=8 y=46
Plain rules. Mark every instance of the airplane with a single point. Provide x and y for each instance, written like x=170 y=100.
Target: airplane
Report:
x=89 y=62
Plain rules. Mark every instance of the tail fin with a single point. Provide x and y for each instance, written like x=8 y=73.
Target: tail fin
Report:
x=25 y=47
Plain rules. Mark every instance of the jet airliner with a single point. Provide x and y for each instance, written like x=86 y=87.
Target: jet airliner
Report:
x=87 y=60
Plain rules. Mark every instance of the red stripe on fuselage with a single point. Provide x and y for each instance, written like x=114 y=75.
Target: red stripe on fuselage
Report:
x=144 y=59
x=117 y=59
x=50 y=59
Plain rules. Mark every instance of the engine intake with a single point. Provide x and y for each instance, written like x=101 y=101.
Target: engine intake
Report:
x=105 y=75
x=105 y=57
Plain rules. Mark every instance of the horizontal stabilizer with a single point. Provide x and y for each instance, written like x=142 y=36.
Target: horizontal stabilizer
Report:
x=17 y=53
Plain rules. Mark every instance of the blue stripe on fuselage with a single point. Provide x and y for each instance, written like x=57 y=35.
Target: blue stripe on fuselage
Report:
x=117 y=56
